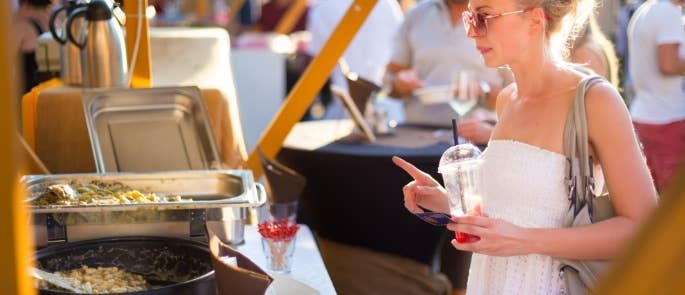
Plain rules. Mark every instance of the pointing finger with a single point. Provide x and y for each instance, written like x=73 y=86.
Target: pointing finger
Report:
x=414 y=172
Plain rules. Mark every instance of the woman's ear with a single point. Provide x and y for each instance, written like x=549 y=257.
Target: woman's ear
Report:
x=537 y=17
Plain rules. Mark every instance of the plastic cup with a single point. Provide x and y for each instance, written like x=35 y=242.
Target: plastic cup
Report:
x=460 y=166
x=279 y=254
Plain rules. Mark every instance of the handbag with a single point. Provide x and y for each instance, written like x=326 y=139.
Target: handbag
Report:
x=579 y=276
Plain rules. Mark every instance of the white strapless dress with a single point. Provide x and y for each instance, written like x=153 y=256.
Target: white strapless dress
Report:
x=522 y=184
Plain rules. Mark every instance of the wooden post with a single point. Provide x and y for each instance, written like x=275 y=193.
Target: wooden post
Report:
x=235 y=8
x=291 y=16
x=201 y=9
x=16 y=248
x=142 y=73
x=310 y=83
x=653 y=263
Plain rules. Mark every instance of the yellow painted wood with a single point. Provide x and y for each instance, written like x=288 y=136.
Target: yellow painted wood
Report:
x=16 y=246
x=29 y=112
x=201 y=8
x=291 y=16
x=32 y=164
x=142 y=73
x=310 y=83
x=655 y=262
x=235 y=8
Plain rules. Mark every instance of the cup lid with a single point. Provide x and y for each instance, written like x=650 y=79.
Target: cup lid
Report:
x=461 y=155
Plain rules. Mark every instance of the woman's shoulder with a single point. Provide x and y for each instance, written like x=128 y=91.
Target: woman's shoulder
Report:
x=23 y=29
x=603 y=97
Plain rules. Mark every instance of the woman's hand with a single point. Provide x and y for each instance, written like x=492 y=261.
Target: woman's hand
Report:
x=406 y=82
x=497 y=237
x=423 y=191
x=475 y=130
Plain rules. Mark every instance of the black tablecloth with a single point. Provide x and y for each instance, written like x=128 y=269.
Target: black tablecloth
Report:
x=354 y=191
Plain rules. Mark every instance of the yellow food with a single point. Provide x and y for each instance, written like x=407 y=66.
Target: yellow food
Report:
x=104 y=280
x=99 y=193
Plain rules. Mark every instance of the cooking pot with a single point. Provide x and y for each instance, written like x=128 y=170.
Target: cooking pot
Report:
x=172 y=265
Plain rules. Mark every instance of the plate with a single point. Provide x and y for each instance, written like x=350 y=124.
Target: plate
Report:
x=284 y=285
x=435 y=94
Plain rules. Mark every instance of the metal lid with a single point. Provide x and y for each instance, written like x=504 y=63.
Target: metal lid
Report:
x=98 y=10
x=151 y=129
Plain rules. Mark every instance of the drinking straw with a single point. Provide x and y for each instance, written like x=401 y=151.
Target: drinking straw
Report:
x=455 y=134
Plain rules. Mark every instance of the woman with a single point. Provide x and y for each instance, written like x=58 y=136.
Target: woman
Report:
x=30 y=20
x=592 y=50
x=524 y=194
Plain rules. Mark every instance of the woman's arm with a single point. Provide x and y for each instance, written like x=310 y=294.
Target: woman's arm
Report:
x=401 y=80
x=22 y=32
x=632 y=192
x=668 y=59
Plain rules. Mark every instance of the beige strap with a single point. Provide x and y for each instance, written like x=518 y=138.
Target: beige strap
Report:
x=580 y=178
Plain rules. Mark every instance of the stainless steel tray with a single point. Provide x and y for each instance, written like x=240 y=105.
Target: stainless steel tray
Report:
x=220 y=202
x=207 y=189
x=153 y=129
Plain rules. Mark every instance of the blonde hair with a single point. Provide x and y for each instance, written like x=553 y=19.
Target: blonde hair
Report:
x=592 y=34
x=565 y=20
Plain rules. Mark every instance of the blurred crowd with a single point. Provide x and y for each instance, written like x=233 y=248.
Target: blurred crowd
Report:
x=408 y=46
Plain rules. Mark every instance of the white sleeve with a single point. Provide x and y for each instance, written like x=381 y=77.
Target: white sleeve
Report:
x=668 y=25
x=402 y=52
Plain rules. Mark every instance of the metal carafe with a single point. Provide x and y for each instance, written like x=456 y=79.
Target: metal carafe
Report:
x=70 y=59
x=103 y=50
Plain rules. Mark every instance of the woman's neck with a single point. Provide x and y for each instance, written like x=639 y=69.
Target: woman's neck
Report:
x=534 y=75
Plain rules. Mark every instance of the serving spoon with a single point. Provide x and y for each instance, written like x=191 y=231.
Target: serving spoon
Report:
x=57 y=280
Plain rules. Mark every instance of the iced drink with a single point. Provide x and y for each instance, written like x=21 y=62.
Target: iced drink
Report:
x=460 y=168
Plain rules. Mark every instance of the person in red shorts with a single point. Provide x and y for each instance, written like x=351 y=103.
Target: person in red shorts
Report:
x=657 y=62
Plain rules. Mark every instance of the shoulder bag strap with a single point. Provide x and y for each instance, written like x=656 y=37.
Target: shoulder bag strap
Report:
x=580 y=179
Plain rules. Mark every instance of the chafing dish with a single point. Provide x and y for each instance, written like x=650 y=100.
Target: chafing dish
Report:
x=220 y=201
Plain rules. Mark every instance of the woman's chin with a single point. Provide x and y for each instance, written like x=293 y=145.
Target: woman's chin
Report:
x=492 y=62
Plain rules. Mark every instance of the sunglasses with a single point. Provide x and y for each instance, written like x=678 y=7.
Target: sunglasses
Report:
x=478 y=21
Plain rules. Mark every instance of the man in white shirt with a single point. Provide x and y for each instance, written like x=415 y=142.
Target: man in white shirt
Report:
x=431 y=49
x=369 y=51
x=657 y=62
x=367 y=55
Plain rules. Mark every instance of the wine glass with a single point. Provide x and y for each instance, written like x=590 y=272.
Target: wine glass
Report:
x=466 y=93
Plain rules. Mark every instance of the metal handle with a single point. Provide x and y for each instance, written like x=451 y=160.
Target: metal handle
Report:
x=119 y=14
x=78 y=12
x=260 y=195
x=51 y=23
